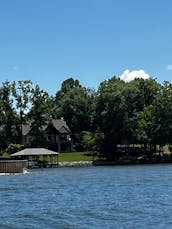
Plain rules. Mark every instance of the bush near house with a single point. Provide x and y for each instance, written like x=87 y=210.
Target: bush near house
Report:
x=13 y=148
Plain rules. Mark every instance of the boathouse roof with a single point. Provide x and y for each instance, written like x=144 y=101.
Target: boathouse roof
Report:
x=34 y=152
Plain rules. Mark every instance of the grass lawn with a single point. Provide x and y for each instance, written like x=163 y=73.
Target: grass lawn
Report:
x=75 y=156
x=66 y=157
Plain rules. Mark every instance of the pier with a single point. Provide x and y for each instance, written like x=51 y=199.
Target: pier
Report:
x=12 y=166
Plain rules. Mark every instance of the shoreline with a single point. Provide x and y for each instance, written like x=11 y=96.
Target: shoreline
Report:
x=75 y=164
x=107 y=163
x=111 y=163
x=79 y=164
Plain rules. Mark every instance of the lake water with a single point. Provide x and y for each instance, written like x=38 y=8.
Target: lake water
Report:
x=92 y=197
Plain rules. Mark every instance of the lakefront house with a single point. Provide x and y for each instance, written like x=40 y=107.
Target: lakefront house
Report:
x=57 y=133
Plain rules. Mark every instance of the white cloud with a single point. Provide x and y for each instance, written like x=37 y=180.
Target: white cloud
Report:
x=169 y=67
x=128 y=76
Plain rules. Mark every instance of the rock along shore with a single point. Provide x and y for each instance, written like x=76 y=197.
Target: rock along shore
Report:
x=75 y=164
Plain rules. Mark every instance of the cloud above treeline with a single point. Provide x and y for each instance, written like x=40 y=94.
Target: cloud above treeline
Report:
x=169 y=67
x=128 y=76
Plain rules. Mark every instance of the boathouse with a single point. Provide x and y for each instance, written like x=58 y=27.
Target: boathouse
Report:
x=38 y=157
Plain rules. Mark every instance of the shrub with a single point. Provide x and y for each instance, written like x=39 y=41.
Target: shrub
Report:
x=13 y=148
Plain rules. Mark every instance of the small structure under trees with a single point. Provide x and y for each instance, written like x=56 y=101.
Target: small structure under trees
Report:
x=38 y=157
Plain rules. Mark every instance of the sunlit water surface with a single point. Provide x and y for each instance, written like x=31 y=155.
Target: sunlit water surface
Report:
x=92 y=197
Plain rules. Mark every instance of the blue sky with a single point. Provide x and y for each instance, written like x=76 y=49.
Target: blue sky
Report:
x=48 y=41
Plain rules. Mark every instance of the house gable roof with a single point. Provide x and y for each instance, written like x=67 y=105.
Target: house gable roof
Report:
x=26 y=128
x=59 y=124
x=63 y=130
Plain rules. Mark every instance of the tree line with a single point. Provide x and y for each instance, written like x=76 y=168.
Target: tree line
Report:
x=117 y=114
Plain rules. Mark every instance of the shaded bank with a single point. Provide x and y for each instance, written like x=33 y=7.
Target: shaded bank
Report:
x=123 y=161
x=136 y=161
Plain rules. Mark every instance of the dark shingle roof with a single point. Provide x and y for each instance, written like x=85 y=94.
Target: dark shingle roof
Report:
x=59 y=124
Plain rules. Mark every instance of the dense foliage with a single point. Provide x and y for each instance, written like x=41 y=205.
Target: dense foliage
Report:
x=118 y=113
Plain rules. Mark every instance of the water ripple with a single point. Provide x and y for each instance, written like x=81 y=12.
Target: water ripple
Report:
x=93 y=197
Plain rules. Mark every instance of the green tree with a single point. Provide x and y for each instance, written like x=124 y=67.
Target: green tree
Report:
x=21 y=91
x=69 y=84
x=163 y=114
x=8 y=132
x=138 y=94
x=39 y=115
x=76 y=105
x=13 y=148
x=120 y=107
x=66 y=86
x=87 y=141
x=74 y=109
x=146 y=131
x=110 y=110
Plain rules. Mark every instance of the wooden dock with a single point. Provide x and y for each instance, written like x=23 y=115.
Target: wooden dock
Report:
x=12 y=166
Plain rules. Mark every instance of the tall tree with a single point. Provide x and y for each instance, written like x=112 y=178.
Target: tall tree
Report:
x=163 y=114
x=66 y=86
x=110 y=110
x=146 y=129
x=8 y=116
x=76 y=105
x=138 y=94
x=69 y=84
x=21 y=91
x=39 y=115
x=74 y=109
